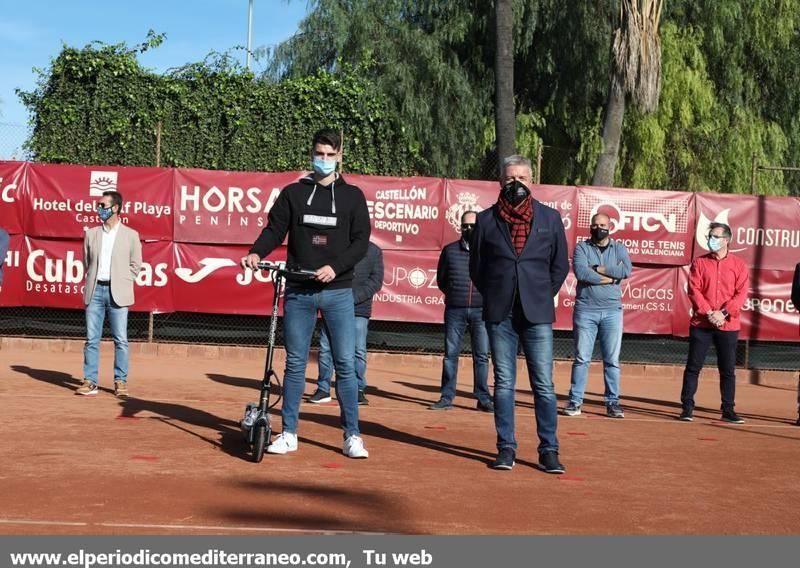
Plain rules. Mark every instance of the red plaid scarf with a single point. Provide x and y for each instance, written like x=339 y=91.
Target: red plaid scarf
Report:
x=519 y=221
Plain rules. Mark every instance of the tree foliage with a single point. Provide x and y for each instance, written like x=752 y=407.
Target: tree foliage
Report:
x=412 y=84
x=97 y=105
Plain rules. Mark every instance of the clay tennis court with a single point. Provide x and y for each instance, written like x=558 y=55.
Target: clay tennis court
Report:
x=171 y=459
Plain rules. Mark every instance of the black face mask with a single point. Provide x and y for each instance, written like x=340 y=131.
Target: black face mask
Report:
x=466 y=231
x=599 y=234
x=515 y=192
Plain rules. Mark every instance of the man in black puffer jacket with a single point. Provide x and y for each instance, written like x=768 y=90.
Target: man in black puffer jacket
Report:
x=463 y=308
x=367 y=281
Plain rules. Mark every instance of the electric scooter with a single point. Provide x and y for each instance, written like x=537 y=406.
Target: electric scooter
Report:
x=256 y=424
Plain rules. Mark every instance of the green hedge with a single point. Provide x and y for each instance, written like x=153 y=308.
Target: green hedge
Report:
x=97 y=105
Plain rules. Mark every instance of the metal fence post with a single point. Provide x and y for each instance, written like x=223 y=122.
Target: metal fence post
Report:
x=746 y=353
x=150 y=327
x=158 y=144
x=539 y=164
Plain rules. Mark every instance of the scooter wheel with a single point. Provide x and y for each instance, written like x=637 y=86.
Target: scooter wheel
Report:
x=260 y=441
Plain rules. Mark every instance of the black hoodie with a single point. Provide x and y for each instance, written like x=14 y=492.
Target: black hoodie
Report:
x=326 y=225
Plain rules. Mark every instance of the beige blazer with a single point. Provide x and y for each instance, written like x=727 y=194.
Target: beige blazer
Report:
x=126 y=260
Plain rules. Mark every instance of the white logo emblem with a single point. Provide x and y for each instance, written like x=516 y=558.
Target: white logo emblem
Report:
x=209 y=265
x=417 y=277
x=703 y=227
x=102 y=181
x=465 y=201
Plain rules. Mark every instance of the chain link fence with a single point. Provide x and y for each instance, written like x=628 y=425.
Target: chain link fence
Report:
x=552 y=165
x=12 y=141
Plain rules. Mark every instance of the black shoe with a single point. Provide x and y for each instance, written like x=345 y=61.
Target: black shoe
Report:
x=487 y=406
x=505 y=459
x=686 y=416
x=441 y=404
x=362 y=398
x=320 y=396
x=549 y=462
x=731 y=417
x=614 y=410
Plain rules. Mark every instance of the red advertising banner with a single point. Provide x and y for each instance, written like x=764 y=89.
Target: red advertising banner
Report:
x=648 y=300
x=209 y=279
x=12 y=185
x=154 y=283
x=768 y=312
x=61 y=200
x=12 y=293
x=214 y=217
x=406 y=213
x=218 y=207
x=469 y=195
x=409 y=290
x=51 y=275
x=656 y=226
x=766 y=230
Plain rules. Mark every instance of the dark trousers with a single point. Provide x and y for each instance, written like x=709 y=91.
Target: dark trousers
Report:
x=700 y=340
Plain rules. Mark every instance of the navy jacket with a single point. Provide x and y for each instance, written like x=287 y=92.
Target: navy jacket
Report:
x=452 y=277
x=536 y=275
x=367 y=280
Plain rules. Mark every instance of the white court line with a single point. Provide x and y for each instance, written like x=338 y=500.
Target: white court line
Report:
x=52 y=523
x=233 y=528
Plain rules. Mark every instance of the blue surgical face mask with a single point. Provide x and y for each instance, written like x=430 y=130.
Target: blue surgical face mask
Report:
x=104 y=213
x=323 y=167
x=714 y=243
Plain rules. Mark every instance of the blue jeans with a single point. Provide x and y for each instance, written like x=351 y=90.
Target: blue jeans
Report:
x=537 y=344
x=456 y=321
x=100 y=304
x=326 y=360
x=300 y=316
x=587 y=325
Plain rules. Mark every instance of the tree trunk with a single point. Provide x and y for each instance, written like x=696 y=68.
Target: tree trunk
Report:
x=612 y=133
x=505 y=119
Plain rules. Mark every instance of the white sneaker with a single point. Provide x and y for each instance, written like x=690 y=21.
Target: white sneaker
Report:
x=354 y=448
x=285 y=442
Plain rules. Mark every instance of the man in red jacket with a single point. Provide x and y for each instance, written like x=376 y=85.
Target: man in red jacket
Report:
x=718 y=286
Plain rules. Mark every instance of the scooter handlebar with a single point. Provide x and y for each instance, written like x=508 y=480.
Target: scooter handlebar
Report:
x=285 y=270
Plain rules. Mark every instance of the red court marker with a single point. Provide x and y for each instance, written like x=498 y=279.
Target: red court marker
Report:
x=436 y=427
x=570 y=478
x=709 y=439
x=332 y=465
x=145 y=458
x=577 y=433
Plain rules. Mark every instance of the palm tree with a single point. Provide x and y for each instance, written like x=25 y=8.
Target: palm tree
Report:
x=636 y=72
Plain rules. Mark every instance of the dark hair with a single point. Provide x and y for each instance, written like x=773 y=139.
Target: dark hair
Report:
x=327 y=136
x=116 y=199
x=726 y=230
x=468 y=212
x=598 y=214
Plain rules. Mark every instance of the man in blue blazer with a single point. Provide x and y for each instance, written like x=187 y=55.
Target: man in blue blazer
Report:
x=518 y=262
